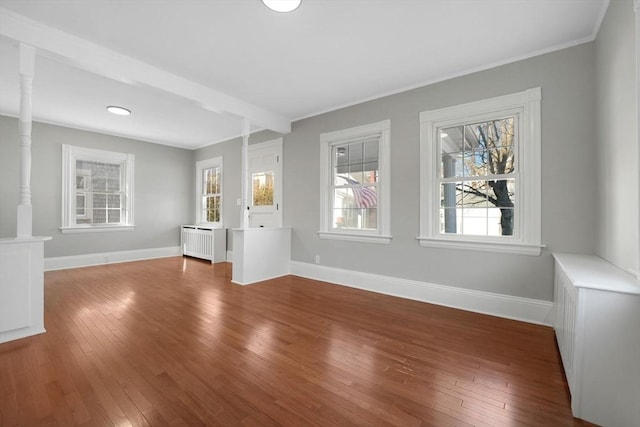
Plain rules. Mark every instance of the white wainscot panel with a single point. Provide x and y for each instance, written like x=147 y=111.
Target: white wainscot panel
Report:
x=260 y=254
x=21 y=287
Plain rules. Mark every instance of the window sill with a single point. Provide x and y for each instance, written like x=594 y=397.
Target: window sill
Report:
x=502 y=247
x=354 y=237
x=96 y=229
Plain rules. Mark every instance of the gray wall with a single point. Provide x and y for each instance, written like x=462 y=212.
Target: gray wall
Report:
x=617 y=119
x=163 y=198
x=569 y=216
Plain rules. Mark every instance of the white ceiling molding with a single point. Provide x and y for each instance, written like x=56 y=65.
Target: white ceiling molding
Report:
x=102 y=61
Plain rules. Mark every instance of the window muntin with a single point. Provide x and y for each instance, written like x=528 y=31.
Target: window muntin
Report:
x=97 y=189
x=355 y=183
x=480 y=175
x=211 y=202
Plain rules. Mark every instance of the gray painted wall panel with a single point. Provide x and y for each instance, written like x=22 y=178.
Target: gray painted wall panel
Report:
x=567 y=79
x=163 y=177
x=618 y=237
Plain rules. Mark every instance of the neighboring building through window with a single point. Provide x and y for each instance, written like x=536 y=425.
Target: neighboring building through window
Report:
x=354 y=180
x=97 y=190
x=209 y=191
x=480 y=174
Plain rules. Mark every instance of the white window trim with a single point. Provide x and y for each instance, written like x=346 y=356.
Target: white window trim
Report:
x=201 y=165
x=72 y=153
x=382 y=235
x=527 y=238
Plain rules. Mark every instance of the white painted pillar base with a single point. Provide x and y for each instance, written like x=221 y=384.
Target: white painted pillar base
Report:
x=21 y=288
x=260 y=254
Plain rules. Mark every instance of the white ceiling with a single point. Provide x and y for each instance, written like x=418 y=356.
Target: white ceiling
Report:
x=236 y=58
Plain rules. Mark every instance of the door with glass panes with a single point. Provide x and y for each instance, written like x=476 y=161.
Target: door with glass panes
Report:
x=265 y=184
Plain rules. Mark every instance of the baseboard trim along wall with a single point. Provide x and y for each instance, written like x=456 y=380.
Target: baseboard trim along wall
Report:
x=507 y=306
x=86 y=260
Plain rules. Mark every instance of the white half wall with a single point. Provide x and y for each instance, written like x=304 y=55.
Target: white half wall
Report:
x=506 y=306
x=86 y=260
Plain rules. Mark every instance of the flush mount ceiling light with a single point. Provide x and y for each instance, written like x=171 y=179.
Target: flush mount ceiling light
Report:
x=282 y=5
x=121 y=111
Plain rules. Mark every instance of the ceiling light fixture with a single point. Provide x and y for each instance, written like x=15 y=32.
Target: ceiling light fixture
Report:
x=282 y=5
x=121 y=111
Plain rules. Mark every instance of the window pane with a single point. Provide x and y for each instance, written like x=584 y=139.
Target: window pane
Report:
x=371 y=151
x=356 y=153
x=472 y=194
x=451 y=164
x=99 y=216
x=501 y=221
x=370 y=173
x=452 y=140
x=114 y=201
x=80 y=204
x=340 y=158
x=262 y=189
x=449 y=220
x=99 y=200
x=355 y=170
x=500 y=160
x=113 y=216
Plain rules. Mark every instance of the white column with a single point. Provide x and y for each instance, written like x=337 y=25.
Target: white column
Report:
x=24 y=217
x=244 y=208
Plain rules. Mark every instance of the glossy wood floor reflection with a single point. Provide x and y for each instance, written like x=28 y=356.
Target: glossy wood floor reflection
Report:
x=173 y=342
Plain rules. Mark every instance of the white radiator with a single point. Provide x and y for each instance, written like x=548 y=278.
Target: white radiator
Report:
x=203 y=242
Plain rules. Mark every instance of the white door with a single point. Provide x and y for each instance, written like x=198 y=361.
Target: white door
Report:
x=265 y=184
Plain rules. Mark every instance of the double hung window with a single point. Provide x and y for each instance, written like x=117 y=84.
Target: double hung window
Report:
x=209 y=191
x=355 y=183
x=480 y=175
x=97 y=189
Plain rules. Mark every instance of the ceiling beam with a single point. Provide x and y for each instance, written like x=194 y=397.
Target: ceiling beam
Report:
x=100 y=60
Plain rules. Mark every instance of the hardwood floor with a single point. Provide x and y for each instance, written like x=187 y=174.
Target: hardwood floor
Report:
x=173 y=342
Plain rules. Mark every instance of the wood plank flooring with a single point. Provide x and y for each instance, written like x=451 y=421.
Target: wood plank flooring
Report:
x=173 y=342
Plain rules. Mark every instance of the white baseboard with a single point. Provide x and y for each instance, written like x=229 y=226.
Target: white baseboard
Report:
x=507 y=306
x=86 y=260
x=20 y=333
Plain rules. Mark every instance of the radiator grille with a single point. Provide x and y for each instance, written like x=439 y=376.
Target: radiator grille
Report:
x=197 y=242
